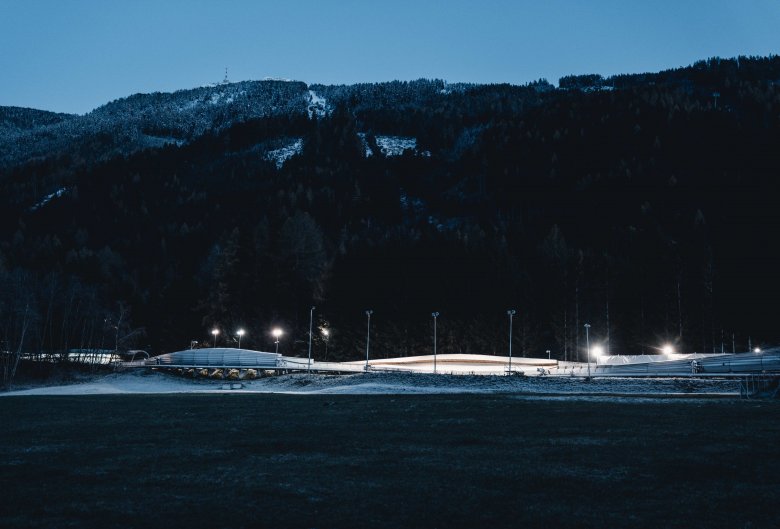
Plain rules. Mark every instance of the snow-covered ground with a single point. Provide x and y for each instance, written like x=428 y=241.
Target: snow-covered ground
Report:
x=317 y=105
x=395 y=145
x=281 y=155
x=153 y=382
x=391 y=145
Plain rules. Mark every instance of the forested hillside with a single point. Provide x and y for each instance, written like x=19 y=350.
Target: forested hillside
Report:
x=645 y=205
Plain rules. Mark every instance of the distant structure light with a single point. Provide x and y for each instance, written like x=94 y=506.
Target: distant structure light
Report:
x=325 y=336
x=667 y=349
x=597 y=350
x=757 y=350
x=277 y=333
x=240 y=333
x=215 y=332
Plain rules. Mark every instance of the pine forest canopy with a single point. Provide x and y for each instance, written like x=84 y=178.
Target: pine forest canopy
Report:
x=645 y=205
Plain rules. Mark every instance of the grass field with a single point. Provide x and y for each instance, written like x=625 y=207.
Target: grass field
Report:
x=386 y=461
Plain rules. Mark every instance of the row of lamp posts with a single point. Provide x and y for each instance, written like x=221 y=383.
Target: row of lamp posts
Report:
x=240 y=333
x=277 y=334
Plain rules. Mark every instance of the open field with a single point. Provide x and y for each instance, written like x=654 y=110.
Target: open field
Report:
x=248 y=460
x=143 y=381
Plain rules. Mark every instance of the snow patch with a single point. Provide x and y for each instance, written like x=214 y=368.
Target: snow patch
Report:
x=317 y=105
x=395 y=145
x=48 y=198
x=366 y=147
x=281 y=155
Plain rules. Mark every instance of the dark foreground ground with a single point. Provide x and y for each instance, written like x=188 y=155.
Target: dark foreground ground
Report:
x=386 y=461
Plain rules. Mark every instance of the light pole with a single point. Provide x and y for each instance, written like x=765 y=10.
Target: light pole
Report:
x=587 y=342
x=277 y=333
x=311 y=320
x=240 y=333
x=435 y=315
x=215 y=332
x=325 y=335
x=510 y=313
x=368 y=333
x=548 y=354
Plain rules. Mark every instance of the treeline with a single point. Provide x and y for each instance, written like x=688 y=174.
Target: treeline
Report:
x=709 y=73
x=646 y=211
x=48 y=316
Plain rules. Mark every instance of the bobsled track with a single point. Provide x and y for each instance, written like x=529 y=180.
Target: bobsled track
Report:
x=668 y=365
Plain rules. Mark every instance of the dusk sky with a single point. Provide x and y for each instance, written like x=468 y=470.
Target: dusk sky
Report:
x=72 y=56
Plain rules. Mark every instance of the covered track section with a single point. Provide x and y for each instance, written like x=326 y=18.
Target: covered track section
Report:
x=228 y=358
x=695 y=365
x=720 y=365
x=219 y=358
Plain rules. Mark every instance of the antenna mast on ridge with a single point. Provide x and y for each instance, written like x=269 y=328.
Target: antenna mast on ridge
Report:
x=225 y=80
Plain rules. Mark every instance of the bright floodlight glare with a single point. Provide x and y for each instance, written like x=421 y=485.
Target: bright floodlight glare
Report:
x=757 y=350
x=597 y=350
x=215 y=331
x=277 y=332
x=240 y=332
x=667 y=349
x=325 y=332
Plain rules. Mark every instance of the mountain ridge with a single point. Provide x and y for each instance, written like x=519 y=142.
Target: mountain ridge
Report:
x=148 y=120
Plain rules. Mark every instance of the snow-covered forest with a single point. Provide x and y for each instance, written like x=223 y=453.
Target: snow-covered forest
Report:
x=644 y=205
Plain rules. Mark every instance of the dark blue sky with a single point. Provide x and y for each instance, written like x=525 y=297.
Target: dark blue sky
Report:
x=74 y=55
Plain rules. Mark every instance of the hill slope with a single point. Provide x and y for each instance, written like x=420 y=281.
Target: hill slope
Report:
x=643 y=205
